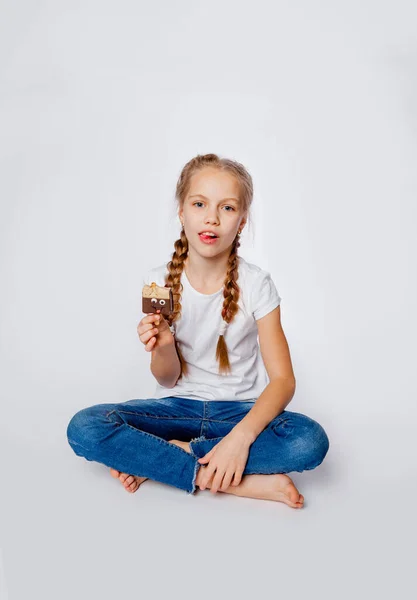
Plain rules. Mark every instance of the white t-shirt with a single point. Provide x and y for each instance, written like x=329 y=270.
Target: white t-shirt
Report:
x=197 y=332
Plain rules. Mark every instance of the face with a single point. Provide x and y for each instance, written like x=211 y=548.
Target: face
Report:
x=212 y=204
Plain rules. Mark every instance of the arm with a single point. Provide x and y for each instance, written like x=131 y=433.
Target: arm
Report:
x=165 y=364
x=273 y=400
x=280 y=390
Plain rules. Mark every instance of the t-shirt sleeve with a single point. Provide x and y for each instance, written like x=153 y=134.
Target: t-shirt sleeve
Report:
x=265 y=295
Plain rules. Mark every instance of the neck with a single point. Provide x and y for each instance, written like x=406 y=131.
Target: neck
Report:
x=207 y=270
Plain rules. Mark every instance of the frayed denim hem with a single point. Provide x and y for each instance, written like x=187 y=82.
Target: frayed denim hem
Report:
x=197 y=464
x=193 y=485
x=197 y=439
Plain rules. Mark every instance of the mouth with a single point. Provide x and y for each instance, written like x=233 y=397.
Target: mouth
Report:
x=208 y=239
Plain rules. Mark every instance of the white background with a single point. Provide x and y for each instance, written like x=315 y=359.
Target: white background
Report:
x=102 y=104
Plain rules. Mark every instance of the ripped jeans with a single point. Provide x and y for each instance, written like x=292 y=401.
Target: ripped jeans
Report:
x=132 y=437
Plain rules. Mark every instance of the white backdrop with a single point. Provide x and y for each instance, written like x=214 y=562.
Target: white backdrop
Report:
x=102 y=104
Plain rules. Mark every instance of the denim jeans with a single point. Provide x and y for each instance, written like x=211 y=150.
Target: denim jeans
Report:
x=133 y=437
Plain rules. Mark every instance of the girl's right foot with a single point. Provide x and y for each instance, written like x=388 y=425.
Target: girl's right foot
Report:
x=277 y=486
x=130 y=482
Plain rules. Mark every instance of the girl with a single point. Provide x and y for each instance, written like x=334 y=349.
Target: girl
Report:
x=217 y=419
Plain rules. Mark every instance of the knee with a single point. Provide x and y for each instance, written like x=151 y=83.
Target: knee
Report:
x=84 y=428
x=320 y=442
x=77 y=427
x=312 y=444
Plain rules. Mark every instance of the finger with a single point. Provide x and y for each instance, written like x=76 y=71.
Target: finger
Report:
x=147 y=328
x=151 y=328
x=207 y=456
x=149 y=319
x=150 y=344
x=145 y=337
x=208 y=472
x=204 y=459
x=226 y=481
x=237 y=478
x=217 y=481
x=147 y=322
x=157 y=322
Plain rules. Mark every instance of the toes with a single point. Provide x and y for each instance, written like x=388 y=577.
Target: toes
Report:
x=133 y=486
x=130 y=482
x=300 y=502
x=295 y=503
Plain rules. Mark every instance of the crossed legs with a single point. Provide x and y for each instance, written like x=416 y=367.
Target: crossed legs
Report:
x=277 y=487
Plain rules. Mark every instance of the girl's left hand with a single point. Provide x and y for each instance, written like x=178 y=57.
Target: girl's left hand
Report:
x=228 y=458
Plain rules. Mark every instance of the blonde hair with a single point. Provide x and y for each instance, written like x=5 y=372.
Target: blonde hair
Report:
x=175 y=266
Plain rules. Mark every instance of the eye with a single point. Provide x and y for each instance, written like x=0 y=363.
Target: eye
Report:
x=162 y=302
x=154 y=301
x=227 y=206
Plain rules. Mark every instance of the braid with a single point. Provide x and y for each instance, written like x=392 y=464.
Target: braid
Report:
x=231 y=293
x=173 y=280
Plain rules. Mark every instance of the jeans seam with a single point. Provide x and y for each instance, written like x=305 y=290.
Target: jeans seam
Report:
x=176 y=418
x=203 y=418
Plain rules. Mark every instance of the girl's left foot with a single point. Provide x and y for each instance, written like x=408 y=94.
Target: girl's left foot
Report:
x=131 y=482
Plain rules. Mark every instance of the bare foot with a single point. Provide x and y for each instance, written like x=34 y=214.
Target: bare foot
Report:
x=278 y=486
x=131 y=482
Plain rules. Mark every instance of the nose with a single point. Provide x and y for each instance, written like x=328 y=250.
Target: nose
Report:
x=211 y=218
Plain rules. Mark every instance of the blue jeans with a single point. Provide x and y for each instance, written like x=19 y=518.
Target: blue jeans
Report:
x=132 y=437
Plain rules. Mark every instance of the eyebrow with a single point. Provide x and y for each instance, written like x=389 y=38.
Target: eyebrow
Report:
x=205 y=198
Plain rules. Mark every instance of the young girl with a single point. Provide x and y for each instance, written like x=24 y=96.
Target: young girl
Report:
x=217 y=419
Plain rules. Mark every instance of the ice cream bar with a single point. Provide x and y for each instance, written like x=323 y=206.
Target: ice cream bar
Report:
x=156 y=297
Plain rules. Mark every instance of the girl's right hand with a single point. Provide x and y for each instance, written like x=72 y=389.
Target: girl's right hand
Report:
x=154 y=331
